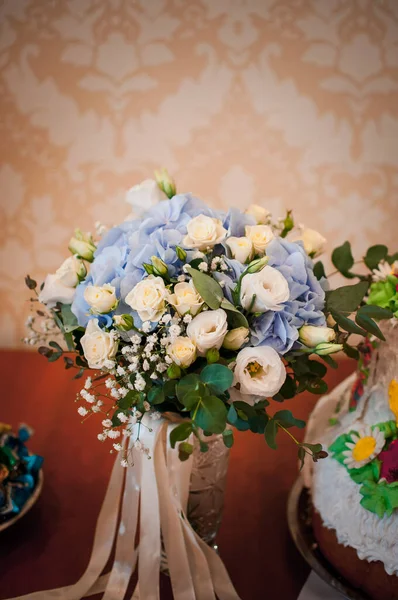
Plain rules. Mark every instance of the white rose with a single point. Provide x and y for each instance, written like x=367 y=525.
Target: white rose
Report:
x=311 y=336
x=83 y=245
x=265 y=290
x=185 y=299
x=259 y=371
x=99 y=346
x=260 y=235
x=148 y=298
x=60 y=286
x=102 y=299
x=144 y=196
x=260 y=214
x=55 y=291
x=241 y=248
x=207 y=330
x=314 y=242
x=71 y=271
x=182 y=351
x=204 y=232
x=236 y=338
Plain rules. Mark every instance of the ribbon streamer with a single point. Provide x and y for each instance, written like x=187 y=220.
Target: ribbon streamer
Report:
x=153 y=505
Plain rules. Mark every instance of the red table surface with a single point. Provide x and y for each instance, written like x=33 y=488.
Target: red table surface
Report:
x=51 y=545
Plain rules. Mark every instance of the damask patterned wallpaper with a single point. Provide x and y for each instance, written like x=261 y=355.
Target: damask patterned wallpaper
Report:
x=290 y=103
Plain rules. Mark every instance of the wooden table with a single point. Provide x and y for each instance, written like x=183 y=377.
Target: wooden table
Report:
x=51 y=545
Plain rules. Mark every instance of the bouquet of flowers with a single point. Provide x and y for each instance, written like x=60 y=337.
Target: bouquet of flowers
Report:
x=210 y=315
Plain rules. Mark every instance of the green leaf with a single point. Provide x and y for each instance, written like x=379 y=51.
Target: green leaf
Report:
x=342 y=258
x=288 y=389
x=208 y=288
x=191 y=399
x=351 y=352
x=317 y=368
x=380 y=498
x=54 y=356
x=184 y=451
x=319 y=270
x=79 y=374
x=211 y=415
x=44 y=351
x=228 y=438
x=347 y=324
x=69 y=320
x=330 y=361
x=375 y=312
x=369 y=325
x=317 y=386
x=68 y=362
x=301 y=456
x=56 y=346
x=235 y=317
x=31 y=283
x=374 y=255
x=271 y=429
x=169 y=388
x=315 y=448
x=347 y=298
x=129 y=400
x=218 y=376
x=180 y=433
x=189 y=383
x=156 y=395
x=286 y=419
x=369 y=472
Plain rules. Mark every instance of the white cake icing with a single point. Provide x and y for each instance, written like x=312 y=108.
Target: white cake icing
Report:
x=335 y=495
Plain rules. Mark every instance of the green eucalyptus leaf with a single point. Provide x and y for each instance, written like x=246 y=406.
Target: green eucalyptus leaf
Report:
x=189 y=383
x=235 y=317
x=288 y=389
x=319 y=270
x=347 y=324
x=347 y=298
x=342 y=258
x=271 y=429
x=69 y=320
x=156 y=395
x=191 y=399
x=301 y=456
x=374 y=255
x=369 y=325
x=219 y=377
x=375 y=312
x=286 y=419
x=228 y=438
x=180 y=433
x=210 y=290
x=211 y=415
x=317 y=386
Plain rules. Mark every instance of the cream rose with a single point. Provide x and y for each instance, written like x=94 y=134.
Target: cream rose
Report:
x=236 y=338
x=60 y=286
x=311 y=336
x=185 y=299
x=182 y=351
x=265 y=290
x=314 y=242
x=259 y=371
x=241 y=248
x=204 y=232
x=144 y=196
x=101 y=299
x=259 y=213
x=148 y=298
x=260 y=236
x=207 y=330
x=99 y=346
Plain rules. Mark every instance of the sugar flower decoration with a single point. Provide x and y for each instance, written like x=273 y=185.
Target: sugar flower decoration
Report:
x=366 y=444
x=389 y=463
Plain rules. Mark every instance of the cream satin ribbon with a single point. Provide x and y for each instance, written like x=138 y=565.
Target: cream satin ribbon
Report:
x=154 y=506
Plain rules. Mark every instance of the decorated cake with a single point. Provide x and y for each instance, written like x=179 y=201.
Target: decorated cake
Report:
x=19 y=471
x=355 y=490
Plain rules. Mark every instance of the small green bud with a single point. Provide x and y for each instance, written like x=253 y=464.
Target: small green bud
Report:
x=148 y=268
x=159 y=267
x=165 y=182
x=257 y=265
x=324 y=349
x=212 y=356
x=182 y=255
x=174 y=371
x=82 y=245
x=288 y=224
x=123 y=322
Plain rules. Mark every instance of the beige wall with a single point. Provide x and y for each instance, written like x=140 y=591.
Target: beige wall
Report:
x=293 y=103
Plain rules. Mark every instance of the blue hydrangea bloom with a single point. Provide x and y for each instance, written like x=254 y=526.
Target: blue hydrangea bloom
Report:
x=306 y=301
